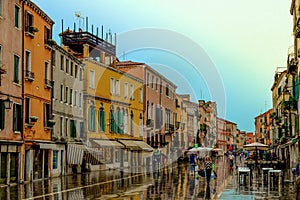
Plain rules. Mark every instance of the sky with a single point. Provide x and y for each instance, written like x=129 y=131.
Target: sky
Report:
x=225 y=51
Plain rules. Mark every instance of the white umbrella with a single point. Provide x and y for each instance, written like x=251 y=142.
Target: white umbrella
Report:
x=256 y=146
x=204 y=149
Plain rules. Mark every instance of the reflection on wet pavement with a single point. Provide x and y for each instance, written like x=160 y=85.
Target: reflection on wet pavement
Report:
x=176 y=182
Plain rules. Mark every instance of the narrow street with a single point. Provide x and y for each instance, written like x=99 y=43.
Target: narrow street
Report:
x=176 y=182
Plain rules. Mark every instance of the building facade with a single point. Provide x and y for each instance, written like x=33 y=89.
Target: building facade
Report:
x=11 y=86
x=37 y=116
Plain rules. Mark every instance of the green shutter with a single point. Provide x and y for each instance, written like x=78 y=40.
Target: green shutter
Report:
x=121 y=123
x=2 y=114
x=16 y=69
x=103 y=120
x=15 y=117
x=90 y=118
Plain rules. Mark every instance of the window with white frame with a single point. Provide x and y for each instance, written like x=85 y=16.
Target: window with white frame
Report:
x=126 y=90
x=66 y=95
x=80 y=100
x=28 y=61
x=141 y=95
x=131 y=92
x=112 y=86
x=61 y=92
x=92 y=79
x=75 y=98
x=118 y=87
x=17 y=16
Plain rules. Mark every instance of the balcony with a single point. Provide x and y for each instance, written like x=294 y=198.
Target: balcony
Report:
x=48 y=83
x=169 y=128
x=72 y=39
x=292 y=63
x=150 y=123
x=177 y=125
x=29 y=75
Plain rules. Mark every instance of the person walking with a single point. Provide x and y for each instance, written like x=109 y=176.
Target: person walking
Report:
x=192 y=164
x=208 y=168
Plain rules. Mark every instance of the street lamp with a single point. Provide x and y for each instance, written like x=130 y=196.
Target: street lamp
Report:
x=7 y=103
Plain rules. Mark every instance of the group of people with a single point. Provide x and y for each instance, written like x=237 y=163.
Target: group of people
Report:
x=198 y=165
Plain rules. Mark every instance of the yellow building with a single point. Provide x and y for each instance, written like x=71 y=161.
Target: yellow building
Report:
x=113 y=101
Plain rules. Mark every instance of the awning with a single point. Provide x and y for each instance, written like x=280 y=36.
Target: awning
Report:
x=51 y=146
x=108 y=143
x=143 y=145
x=76 y=153
x=130 y=144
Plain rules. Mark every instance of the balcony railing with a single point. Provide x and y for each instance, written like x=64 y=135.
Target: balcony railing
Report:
x=29 y=75
x=292 y=62
x=48 y=83
x=70 y=38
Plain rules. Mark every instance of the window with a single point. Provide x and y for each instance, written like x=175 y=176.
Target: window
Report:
x=16 y=68
x=75 y=98
x=2 y=114
x=112 y=86
x=47 y=34
x=61 y=126
x=66 y=95
x=81 y=74
x=47 y=73
x=131 y=124
x=92 y=79
x=141 y=125
x=167 y=90
x=111 y=120
x=131 y=92
x=126 y=90
x=55 y=159
x=152 y=82
x=71 y=96
x=47 y=114
x=27 y=110
x=73 y=128
x=156 y=88
x=17 y=118
x=118 y=120
x=80 y=100
x=67 y=66
x=101 y=118
x=53 y=89
x=125 y=121
x=118 y=87
x=17 y=16
x=148 y=79
x=66 y=126
x=92 y=118
x=0 y=54
x=71 y=69
x=61 y=93
x=81 y=125
x=141 y=95
x=1 y=9
x=28 y=61
x=28 y=22
x=76 y=71
x=61 y=62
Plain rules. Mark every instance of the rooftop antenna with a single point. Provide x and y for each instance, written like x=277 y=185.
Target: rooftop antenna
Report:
x=79 y=18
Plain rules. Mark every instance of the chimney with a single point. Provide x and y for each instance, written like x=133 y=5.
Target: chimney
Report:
x=102 y=57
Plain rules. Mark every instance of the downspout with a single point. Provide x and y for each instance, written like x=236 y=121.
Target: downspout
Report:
x=21 y=177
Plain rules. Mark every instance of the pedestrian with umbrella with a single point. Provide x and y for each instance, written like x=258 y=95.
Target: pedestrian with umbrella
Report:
x=208 y=168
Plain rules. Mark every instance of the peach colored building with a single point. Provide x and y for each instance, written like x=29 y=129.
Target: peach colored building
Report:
x=11 y=84
x=159 y=106
x=221 y=134
x=263 y=123
x=250 y=137
x=38 y=147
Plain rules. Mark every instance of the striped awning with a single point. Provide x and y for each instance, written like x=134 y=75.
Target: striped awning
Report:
x=76 y=153
x=108 y=143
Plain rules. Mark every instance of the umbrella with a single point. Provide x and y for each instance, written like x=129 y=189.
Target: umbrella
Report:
x=256 y=146
x=192 y=151
x=200 y=149
x=218 y=150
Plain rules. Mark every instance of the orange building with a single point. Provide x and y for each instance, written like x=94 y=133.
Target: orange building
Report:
x=37 y=93
x=263 y=124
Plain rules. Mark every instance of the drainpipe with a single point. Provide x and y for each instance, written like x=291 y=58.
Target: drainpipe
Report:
x=23 y=82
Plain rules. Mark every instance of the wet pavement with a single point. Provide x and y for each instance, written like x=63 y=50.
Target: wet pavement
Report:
x=175 y=182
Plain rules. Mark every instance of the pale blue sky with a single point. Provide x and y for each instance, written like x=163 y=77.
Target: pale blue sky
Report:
x=244 y=41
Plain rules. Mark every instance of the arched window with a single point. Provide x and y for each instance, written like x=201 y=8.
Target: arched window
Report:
x=112 y=123
x=126 y=121
x=118 y=117
x=101 y=118
x=131 y=124
x=92 y=118
x=141 y=125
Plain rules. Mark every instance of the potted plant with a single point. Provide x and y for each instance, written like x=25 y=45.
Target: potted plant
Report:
x=33 y=119
x=51 y=42
x=33 y=29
